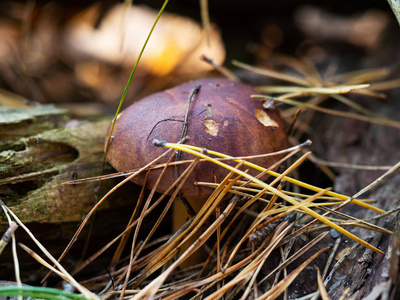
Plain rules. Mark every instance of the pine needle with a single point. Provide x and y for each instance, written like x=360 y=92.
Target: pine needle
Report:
x=289 y=199
x=321 y=287
x=374 y=120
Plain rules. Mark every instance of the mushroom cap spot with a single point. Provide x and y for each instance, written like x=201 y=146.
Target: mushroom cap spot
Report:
x=211 y=127
x=161 y=115
x=264 y=118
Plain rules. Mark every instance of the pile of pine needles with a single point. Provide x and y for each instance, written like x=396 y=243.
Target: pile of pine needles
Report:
x=248 y=226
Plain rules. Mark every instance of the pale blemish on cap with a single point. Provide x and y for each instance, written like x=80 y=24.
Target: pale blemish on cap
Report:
x=265 y=119
x=211 y=127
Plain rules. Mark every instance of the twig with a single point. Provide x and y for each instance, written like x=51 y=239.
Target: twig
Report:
x=224 y=71
x=5 y=239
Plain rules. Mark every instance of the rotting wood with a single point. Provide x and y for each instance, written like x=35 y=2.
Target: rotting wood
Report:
x=40 y=148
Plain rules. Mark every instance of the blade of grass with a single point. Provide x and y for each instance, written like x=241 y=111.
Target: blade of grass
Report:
x=129 y=82
x=39 y=293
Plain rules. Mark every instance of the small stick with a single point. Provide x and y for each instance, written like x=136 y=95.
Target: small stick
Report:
x=185 y=124
x=224 y=71
x=12 y=227
x=7 y=235
x=179 y=153
x=294 y=119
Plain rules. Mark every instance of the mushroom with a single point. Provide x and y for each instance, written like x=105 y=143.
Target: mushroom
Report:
x=221 y=116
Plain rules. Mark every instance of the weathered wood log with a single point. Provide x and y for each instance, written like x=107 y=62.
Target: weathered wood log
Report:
x=40 y=149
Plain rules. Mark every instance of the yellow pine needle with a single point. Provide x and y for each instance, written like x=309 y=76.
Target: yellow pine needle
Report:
x=88 y=294
x=274 y=190
x=255 y=198
x=40 y=260
x=361 y=76
x=321 y=287
x=303 y=66
x=369 y=93
x=150 y=290
x=291 y=180
x=385 y=85
x=205 y=18
x=256 y=190
x=247 y=271
x=380 y=121
x=264 y=258
x=273 y=74
x=356 y=106
x=303 y=91
x=197 y=222
x=287 y=209
x=274 y=292
x=345 y=294
x=236 y=190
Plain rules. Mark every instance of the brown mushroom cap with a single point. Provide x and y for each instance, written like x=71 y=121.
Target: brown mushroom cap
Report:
x=222 y=117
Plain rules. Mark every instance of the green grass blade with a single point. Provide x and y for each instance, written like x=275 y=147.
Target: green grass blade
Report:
x=129 y=81
x=39 y=293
